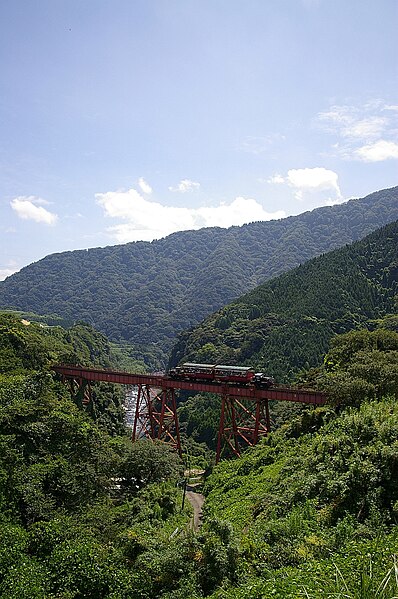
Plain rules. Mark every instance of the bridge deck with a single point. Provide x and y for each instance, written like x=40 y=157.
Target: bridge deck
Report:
x=165 y=382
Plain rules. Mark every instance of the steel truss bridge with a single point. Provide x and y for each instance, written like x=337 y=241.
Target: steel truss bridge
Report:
x=244 y=416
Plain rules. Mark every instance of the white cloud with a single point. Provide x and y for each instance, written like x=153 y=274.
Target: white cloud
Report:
x=352 y=122
x=146 y=220
x=185 y=185
x=313 y=180
x=368 y=132
x=336 y=117
x=378 y=151
x=309 y=184
x=390 y=107
x=367 y=128
x=39 y=201
x=276 y=179
x=29 y=208
x=144 y=186
x=6 y=272
x=238 y=212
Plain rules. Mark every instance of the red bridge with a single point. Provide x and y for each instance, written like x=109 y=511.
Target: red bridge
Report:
x=244 y=416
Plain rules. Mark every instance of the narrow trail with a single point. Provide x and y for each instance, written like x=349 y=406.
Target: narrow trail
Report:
x=197 y=501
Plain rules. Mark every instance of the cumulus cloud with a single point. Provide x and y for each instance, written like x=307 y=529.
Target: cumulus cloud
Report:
x=185 y=185
x=30 y=208
x=146 y=220
x=378 y=151
x=368 y=132
x=276 y=179
x=318 y=181
x=144 y=186
x=313 y=179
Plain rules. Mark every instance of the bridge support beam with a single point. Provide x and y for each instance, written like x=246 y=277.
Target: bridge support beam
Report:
x=80 y=390
x=156 y=416
x=242 y=424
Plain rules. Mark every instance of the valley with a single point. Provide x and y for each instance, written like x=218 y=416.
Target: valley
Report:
x=307 y=510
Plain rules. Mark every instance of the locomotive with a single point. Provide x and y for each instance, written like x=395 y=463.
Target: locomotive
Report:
x=220 y=373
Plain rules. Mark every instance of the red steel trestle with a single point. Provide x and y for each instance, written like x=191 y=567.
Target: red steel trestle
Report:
x=242 y=424
x=244 y=417
x=156 y=416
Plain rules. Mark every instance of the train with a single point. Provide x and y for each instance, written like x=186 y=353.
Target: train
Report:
x=221 y=373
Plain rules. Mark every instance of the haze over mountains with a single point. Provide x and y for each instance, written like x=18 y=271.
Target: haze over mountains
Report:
x=144 y=293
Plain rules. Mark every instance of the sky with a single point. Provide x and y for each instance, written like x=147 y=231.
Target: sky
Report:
x=128 y=120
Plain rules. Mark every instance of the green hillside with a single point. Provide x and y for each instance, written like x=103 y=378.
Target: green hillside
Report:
x=78 y=503
x=144 y=293
x=310 y=512
x=29 y=345
x=285 y=325
x=314 y=506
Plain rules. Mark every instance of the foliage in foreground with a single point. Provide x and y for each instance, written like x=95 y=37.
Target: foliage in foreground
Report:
x=84 y=514
x=316 y=503
x=310 y=512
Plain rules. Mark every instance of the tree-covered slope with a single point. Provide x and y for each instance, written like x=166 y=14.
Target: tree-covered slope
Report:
x=27 y=346
x=285 y=324
x=78 y=505
x=309 y=512
x=315 y=503
x=144 y=293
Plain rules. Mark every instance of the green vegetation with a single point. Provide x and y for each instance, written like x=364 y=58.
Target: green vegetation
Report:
x=143 y=294
x=84 y=514
x=285 y=325
x=79 y=505
x=30 y=347
x=316 y=502
x=310 y=512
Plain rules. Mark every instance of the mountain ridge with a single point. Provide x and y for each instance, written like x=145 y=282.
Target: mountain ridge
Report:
x=144 y=293
x=285 y=324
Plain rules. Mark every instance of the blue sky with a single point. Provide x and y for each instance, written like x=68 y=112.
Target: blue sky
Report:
x=130 y=119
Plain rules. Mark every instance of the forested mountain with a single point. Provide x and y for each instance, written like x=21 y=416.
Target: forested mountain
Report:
x=285 y=324
x=144 y=293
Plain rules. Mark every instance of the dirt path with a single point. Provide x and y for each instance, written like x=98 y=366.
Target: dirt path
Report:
x=197 y=501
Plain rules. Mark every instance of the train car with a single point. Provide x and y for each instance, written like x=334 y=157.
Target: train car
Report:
x=233 y=374
x=192 y=371
x=221 y=373
x=212 y=372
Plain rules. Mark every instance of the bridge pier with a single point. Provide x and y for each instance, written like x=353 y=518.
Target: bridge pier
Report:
x=242 y=424
x=156 y=416
x=80 y=390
